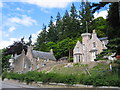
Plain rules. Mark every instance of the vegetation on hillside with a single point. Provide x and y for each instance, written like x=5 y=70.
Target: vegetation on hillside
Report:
x=100 y=76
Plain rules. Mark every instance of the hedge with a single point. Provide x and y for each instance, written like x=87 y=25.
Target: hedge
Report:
x=105 y=79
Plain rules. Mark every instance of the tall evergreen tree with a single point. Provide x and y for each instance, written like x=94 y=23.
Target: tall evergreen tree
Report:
x=58 y=18
x=66 y=15
x=73 y=11
x=41 y=39
x=52 y=32
x=85 y=15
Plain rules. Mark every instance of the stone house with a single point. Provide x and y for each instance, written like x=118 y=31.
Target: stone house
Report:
x=86 y=51
x=33 y=60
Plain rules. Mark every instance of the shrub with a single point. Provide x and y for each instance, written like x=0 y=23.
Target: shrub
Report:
x=101 y=79
x=4 y=75
x=70 y=79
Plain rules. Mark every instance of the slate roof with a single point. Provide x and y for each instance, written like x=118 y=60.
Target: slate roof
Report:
x=104 y=38
x=43 y=55
x=17 y=56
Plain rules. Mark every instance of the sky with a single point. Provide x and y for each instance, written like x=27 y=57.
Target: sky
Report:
x=22 y=19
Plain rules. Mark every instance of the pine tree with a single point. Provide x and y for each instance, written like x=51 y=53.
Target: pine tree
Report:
x=73 y=11
x=52 y=32
x=51 y=22
x=66 y=15
x=42 y=39
x=58 y=18
x=85 y=15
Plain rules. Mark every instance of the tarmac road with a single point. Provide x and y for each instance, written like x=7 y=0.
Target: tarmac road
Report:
x=15 y=86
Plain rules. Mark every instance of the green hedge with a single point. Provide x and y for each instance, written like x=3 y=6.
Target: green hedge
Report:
x=105 y=79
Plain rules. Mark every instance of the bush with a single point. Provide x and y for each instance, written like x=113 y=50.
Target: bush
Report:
x=4 y=75
x=117 y=61
x=100 y=79
x=69 y=79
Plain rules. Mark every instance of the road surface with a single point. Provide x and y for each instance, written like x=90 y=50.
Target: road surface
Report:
x=15 y=86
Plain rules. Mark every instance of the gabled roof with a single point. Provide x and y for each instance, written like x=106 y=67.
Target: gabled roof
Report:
x=17 y=56
x=43 y=55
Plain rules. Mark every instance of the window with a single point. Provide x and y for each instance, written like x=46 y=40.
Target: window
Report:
x=83 y=46
x=78 y=49
x=94 y=44
x=25 y=65
x=103 y=45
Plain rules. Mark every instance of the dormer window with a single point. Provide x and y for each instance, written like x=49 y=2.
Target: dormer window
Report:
x=94 y=44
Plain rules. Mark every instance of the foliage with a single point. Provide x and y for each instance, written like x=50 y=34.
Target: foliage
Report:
x=117 y=61
x=101 y=26
x=17 y=47
x=114 y=45
x=4 y=60
x=102 y=55
x=63 y=35
x=113 y=31
x=86 y=16
x=106 y=78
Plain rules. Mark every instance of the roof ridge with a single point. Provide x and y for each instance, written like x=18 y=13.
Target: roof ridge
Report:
x=42 y=51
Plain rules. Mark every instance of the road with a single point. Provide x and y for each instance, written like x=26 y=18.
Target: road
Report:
x=15 y=86
x=11 y=85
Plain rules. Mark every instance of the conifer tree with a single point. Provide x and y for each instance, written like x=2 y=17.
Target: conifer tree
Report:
x=66 y=15
x=52 y=33
x=73 y=11
x=58 y=18
x=42 y=39
x=85 y=15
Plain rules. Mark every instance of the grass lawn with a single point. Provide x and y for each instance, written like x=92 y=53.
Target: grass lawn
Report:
x=76 y=69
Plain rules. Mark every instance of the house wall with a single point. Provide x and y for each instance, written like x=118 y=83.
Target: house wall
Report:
x=89 y=48
x=22 y=64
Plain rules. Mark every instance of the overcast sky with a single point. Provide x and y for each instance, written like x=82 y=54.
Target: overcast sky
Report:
x=22 y=19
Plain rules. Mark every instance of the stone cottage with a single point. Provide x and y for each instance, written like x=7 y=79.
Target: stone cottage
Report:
x=86 y=51
x=33 y=60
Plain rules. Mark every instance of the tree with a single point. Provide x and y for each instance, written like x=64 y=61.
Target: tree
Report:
x=114 y=24
x=41 y=39
x=114 y=45
x=101 y=26
x=98 y=6
x=66 y=15
x=58 y=18
x=5 y=60
x=52 y=32
x=85 y=15
x=73 y=11
x=15 y=48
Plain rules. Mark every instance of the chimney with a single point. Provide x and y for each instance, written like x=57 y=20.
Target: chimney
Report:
x=23 y=52
x=94 y=35
x=29 y=52
x=51 y=51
